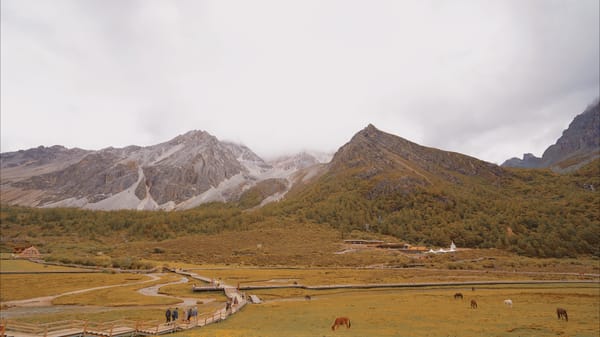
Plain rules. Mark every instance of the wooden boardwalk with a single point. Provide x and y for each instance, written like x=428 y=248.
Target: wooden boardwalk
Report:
x=119 y=328
x=126 y=328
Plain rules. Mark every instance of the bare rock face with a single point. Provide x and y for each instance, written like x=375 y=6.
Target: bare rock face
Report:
x=26 y=163
x=198 y=163
x=174 y=171
x=579 y=144
x=184 y=172
x=529 y=161
x=372 y=152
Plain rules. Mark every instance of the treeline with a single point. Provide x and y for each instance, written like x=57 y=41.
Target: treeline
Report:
x=134 y=225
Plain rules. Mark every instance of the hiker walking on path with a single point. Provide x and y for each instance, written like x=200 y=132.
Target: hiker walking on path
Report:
x=168 y=315
x=188 y=316
x=175 y=314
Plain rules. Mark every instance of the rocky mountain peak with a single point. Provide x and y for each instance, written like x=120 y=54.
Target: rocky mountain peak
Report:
x=373 y=152
x=184 y=172
x=579 y=144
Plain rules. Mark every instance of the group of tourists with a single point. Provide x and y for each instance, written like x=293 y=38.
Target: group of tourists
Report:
x=173 y=315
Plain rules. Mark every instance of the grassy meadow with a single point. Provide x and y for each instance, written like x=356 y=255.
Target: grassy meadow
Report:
x=376 y=312
x=7 y=265
x=422 y=312
x=20 y=287
x=120 y=296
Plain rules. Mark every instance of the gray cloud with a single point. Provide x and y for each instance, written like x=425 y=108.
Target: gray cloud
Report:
x=488 y=79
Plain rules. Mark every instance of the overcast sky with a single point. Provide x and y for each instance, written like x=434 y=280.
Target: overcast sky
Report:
x=491 y=79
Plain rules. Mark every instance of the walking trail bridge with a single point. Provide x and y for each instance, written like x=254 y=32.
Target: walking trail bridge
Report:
x=122 y=328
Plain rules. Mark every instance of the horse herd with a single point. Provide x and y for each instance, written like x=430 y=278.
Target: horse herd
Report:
x=340 y=321
x=560 y=312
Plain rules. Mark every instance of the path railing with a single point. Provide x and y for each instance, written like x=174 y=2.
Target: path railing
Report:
x=121 y=328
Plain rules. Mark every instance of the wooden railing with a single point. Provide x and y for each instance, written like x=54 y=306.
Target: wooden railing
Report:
x=124 y=327
x=114 y=328
x=70 y=327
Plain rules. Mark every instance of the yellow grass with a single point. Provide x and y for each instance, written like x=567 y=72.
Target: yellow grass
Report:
x=98 y=315
x=24 y=286
x=28 y=266
x=120 y=296
x=389 y=312
x=185 y=290
x=327 y=276
x=422 y=312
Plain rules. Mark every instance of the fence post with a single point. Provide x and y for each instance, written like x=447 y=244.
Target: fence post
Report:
x=2 y=327
x=112 y=325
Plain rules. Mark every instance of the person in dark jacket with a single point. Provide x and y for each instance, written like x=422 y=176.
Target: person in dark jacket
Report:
x=168 y=315
x=175 y=314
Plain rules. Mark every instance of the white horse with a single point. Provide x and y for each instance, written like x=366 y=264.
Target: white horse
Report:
x=508 y=302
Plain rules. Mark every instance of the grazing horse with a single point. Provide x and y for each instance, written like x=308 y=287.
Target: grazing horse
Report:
x=508 y=302
x=458 y=295
x=307 y=297
x=473 y=304
x=341 y=321
x=560 y=312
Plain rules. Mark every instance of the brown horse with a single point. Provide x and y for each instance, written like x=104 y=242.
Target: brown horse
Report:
x=458 y=295
x=560 y=312
x=473 y=304
x=341 y=321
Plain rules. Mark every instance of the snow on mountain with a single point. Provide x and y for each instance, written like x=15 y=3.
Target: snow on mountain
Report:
x=184 y=172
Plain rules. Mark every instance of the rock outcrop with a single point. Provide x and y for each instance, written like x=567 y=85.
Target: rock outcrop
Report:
x=578 y=145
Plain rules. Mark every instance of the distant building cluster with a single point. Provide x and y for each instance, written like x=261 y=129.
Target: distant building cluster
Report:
x=403 y=247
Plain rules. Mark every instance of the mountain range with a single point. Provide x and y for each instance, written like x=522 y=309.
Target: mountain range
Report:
x=375 y=184
x=189 y=170
x=197 y=168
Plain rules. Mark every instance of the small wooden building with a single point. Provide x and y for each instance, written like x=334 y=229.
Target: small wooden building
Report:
x=27 y=252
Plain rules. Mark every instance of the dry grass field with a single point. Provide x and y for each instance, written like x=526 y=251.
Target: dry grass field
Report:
x=386 y=312
x=120 y=296
x=421 y=312
x=345 y=276
x=24 y=286
x=7 y=265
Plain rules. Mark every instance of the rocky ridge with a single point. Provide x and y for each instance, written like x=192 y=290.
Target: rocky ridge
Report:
x=189 y=170
x=578 y=145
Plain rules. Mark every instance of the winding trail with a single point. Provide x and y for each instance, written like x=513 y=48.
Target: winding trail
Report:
x=47 y=300
x=154 y=291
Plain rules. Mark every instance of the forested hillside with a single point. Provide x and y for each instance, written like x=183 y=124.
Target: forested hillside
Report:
x=531 y=212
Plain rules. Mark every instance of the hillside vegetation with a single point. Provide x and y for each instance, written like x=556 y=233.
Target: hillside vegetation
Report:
x=377 y=185
x=530 y=212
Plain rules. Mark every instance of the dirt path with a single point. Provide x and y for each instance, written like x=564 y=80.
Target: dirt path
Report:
x=43 y=305
x=45 y=301
x=153 y=291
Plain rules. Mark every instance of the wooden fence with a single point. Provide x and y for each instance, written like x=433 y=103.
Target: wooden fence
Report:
x=118 y=328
